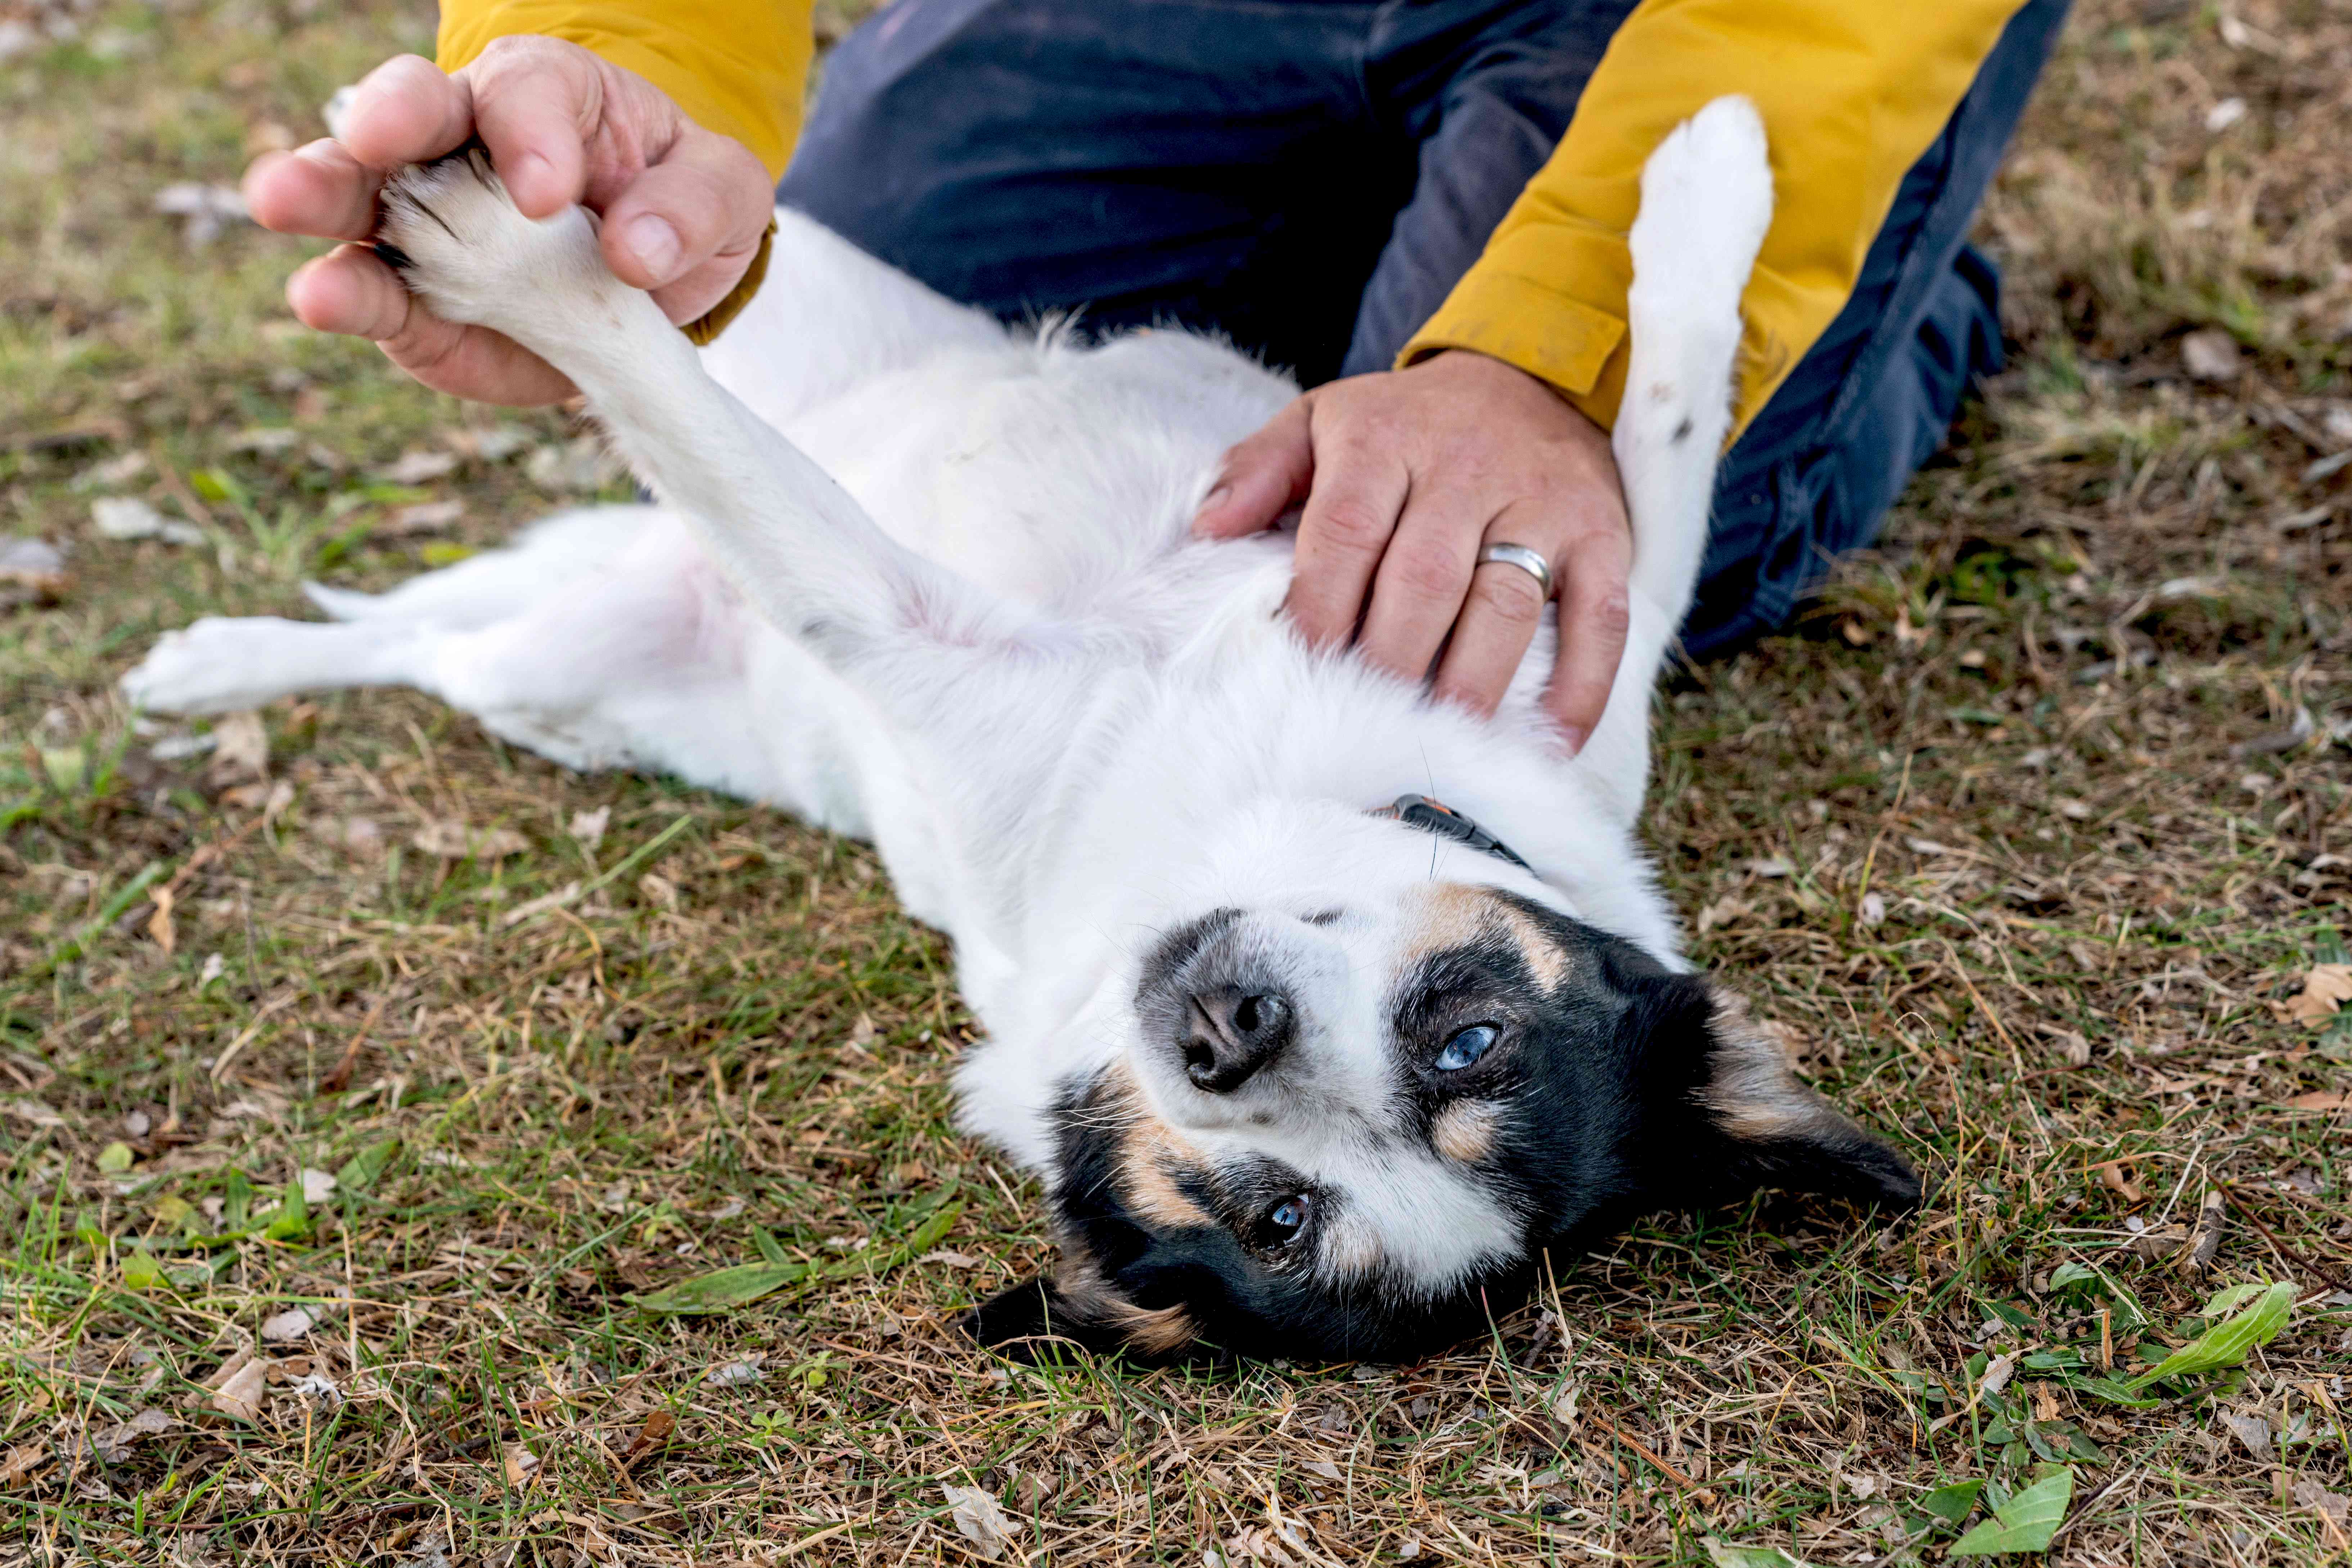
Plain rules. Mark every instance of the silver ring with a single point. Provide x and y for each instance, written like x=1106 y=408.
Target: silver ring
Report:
x=1528 y=561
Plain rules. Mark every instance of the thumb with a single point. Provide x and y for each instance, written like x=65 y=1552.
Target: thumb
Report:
x=1262 y=478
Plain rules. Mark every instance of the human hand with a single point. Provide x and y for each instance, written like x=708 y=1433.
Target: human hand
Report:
x=684 y=208
x=1404 y=476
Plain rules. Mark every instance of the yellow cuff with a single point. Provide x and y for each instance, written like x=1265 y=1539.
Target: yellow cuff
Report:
x=713 y=321
x=1536 y=327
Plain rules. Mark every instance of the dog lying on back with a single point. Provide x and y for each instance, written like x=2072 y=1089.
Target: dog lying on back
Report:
x=1307 y=1064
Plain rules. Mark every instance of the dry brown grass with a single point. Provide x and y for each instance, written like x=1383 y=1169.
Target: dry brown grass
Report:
x=2013 y=837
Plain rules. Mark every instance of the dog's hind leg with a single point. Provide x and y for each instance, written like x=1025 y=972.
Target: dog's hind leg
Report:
x=1706 y=201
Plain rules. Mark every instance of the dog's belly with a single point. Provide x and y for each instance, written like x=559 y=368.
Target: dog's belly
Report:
x=1052 y=474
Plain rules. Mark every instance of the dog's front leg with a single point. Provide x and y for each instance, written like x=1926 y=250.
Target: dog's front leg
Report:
x=797 y=544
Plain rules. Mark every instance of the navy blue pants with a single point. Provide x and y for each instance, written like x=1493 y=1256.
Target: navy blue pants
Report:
x=1311 y=177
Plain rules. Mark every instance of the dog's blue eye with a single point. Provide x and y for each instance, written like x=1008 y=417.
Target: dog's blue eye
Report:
x=1466 y=1048
x=1288 y=1215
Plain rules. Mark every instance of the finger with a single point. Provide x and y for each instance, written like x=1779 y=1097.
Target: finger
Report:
x=349 y=291
x=320 y=189
x=708 y=197
x=1351 y=513
x=1594 y=612
x=1423 y=579
x=535 y=102
x=1261 y=477
x=405 y=110
x=1499 y=619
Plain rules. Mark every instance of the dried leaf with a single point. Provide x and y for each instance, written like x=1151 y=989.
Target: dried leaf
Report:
x=160 y=925
x=520 y=1464
x=427 y=517
x=452 y=840
x=128 y=517
x=588 y=826
x=245 y=1390
x=650 y=1436
x=287 y=1326
x=2025 y=1522
x=2321 y=1099
x=737 y=1373
x=21 y=1462
x=2252 y=1431
x=240 y=749
x=418 y=468
x=2324 y=989
x=34 y=565
x=2205 y=1240
x=2211 y=355
x=981 y=1522
x=1997 y=1374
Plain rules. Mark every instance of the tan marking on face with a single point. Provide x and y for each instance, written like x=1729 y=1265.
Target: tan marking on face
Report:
x=1152 y=1153
x=1465 y=1130
x=1543 y=955
x=1453 y=915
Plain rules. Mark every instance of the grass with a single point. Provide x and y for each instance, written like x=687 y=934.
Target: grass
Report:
x=2017 y=836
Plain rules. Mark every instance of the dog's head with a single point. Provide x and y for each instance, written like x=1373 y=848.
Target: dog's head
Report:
x=1349 y=1121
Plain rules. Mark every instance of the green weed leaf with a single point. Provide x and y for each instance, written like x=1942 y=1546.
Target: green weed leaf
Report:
x=2025 y=1522
x=114 y=1159
x=2227 y=1345
x=140 y=1272
x=1951 y=1503
x=359 y=1172
x=293 y=1220
x=722 y=1290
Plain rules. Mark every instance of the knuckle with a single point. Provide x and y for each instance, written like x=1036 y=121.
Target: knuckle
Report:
x=1424 y=568
x=1509 y=596
x=1354 y=525
x=1610 y=611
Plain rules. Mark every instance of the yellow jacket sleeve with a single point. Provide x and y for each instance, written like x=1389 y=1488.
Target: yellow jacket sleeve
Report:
x=737 y=67
x=1852 y=93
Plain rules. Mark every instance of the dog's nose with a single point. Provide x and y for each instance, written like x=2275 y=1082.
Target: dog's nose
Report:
x=1234 y=1031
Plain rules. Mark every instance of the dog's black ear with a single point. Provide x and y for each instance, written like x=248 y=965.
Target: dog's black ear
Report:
x=1776 y=1131
x=1022 y=1322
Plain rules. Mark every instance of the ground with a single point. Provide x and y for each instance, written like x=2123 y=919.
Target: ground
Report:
x=2025 y=837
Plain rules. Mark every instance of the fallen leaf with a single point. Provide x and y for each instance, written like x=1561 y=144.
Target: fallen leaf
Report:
x=267 y=440
x=981 y=1522
x=428 y=517
x=2025 y=1522
x=452 y=840
x=115 y=1158
x=148 y=1423
x=2211 y=355
x=650 y=1436
x=2321 y=1099
x=1997 y=1374
x=2252 y=1431
x=521 y=1463
x=240 y=749
x=417 y=467
x=578 y=466
x=21 y=1462
x=35 y=566
x=2333 y=1507
x=31 y=1110
x=1722 y=912
x=1770 y=867
x=128 y=517
x=318 y=1187
x=660 y=890
x=2205 y=1238
x=245 y=1388
x=203 y=210
x=287 y=1326
x=588 y=826
x=951 y=1259
x=160 y=925
x=2324 y=989
x=737 y=1373
x=1727 y=1555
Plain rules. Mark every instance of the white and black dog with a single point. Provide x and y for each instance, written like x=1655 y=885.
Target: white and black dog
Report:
x=1308 y=1064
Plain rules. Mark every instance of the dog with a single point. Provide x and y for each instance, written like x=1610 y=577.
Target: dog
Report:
x=1307 y=1064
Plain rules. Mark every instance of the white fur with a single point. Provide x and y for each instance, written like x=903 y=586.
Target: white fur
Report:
x=924 y=579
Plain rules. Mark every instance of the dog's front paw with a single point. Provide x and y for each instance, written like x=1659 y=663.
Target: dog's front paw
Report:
x=455 y=236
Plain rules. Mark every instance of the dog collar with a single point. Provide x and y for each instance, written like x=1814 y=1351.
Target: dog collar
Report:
x=1434 y=816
